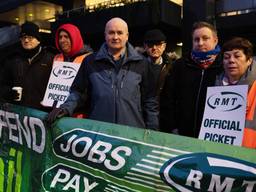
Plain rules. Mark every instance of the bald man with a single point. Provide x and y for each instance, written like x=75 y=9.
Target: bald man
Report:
x=117 y=81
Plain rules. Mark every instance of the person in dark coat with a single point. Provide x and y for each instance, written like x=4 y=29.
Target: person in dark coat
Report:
x=161 y=64
x=189 y=79
x=118 y=82
x=28 y=68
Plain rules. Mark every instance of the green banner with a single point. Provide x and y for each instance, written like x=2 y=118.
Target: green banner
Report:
x=82 y=155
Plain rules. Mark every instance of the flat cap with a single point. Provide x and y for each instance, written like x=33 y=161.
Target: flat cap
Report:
x=154 y=35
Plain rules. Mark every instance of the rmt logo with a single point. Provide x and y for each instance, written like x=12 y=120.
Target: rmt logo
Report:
x=64 y=72
x=199 y=172
x=225 y=101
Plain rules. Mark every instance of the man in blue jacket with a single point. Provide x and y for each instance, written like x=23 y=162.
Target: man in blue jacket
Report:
x=118 y=83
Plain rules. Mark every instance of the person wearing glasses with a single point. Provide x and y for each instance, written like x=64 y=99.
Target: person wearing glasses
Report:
x=28 y=69
x=161 y=64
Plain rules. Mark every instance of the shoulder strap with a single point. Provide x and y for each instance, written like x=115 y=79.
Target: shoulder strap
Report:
x=79 y=59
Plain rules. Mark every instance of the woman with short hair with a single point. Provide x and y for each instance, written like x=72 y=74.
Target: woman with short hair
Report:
x=239 y=69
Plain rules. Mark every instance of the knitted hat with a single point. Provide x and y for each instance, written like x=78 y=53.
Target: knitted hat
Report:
x=154 y=35
x=30 y=29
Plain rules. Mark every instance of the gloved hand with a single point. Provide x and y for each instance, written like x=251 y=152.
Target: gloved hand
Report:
x=56 y=113
x=11 y=95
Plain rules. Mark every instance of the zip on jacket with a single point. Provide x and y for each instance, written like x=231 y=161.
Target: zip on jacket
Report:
x=197 y=102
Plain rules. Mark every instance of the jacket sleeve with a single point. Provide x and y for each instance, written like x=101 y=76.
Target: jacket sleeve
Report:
x=149 y=98
x=172 y=104
x=78 y=89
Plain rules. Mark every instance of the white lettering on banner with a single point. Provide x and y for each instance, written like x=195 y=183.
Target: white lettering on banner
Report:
x=216 y=185
x=60 y=81
x=32 y=131
x=250 y=185
x=71 y=182
x=96 y=152
x=224 y=114
x=115 y=155
x=195 y=177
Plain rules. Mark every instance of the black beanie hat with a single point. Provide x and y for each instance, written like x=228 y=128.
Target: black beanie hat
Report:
x=154 y=35
x=30 y=29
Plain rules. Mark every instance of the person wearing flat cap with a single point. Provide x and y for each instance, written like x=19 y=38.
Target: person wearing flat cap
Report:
x=161 y=64
x=28 y=69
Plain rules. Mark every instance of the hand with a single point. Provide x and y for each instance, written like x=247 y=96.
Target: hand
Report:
x=56 y=113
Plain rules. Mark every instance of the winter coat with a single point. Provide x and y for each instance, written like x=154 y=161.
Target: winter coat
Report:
x=249 y=78
x=161 y=73
x=124 y=96
x=188 y=85
x=30 y=74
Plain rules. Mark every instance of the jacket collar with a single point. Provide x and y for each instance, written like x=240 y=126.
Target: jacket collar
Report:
x=131 y=54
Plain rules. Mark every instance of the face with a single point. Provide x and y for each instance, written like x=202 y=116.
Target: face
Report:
x=155 y=50
x=204 y=39
x=65 y=42
x=29 y=42
x=235 y=63
x=116 y=34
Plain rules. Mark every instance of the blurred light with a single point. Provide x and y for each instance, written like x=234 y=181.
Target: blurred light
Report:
x=179 y=44
x=30 y=14
x=52 y=20
x=17 y=18
x=232 y=13
x=44 y=30
x=179 y=2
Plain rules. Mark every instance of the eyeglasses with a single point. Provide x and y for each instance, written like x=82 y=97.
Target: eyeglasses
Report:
x=158 y=44
x=30 y=38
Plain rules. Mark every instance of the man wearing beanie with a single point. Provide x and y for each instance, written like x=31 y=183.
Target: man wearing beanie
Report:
x=28 y=69
x=155 y=45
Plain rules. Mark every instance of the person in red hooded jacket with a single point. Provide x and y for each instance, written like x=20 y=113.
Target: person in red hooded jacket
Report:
x=70 y=43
